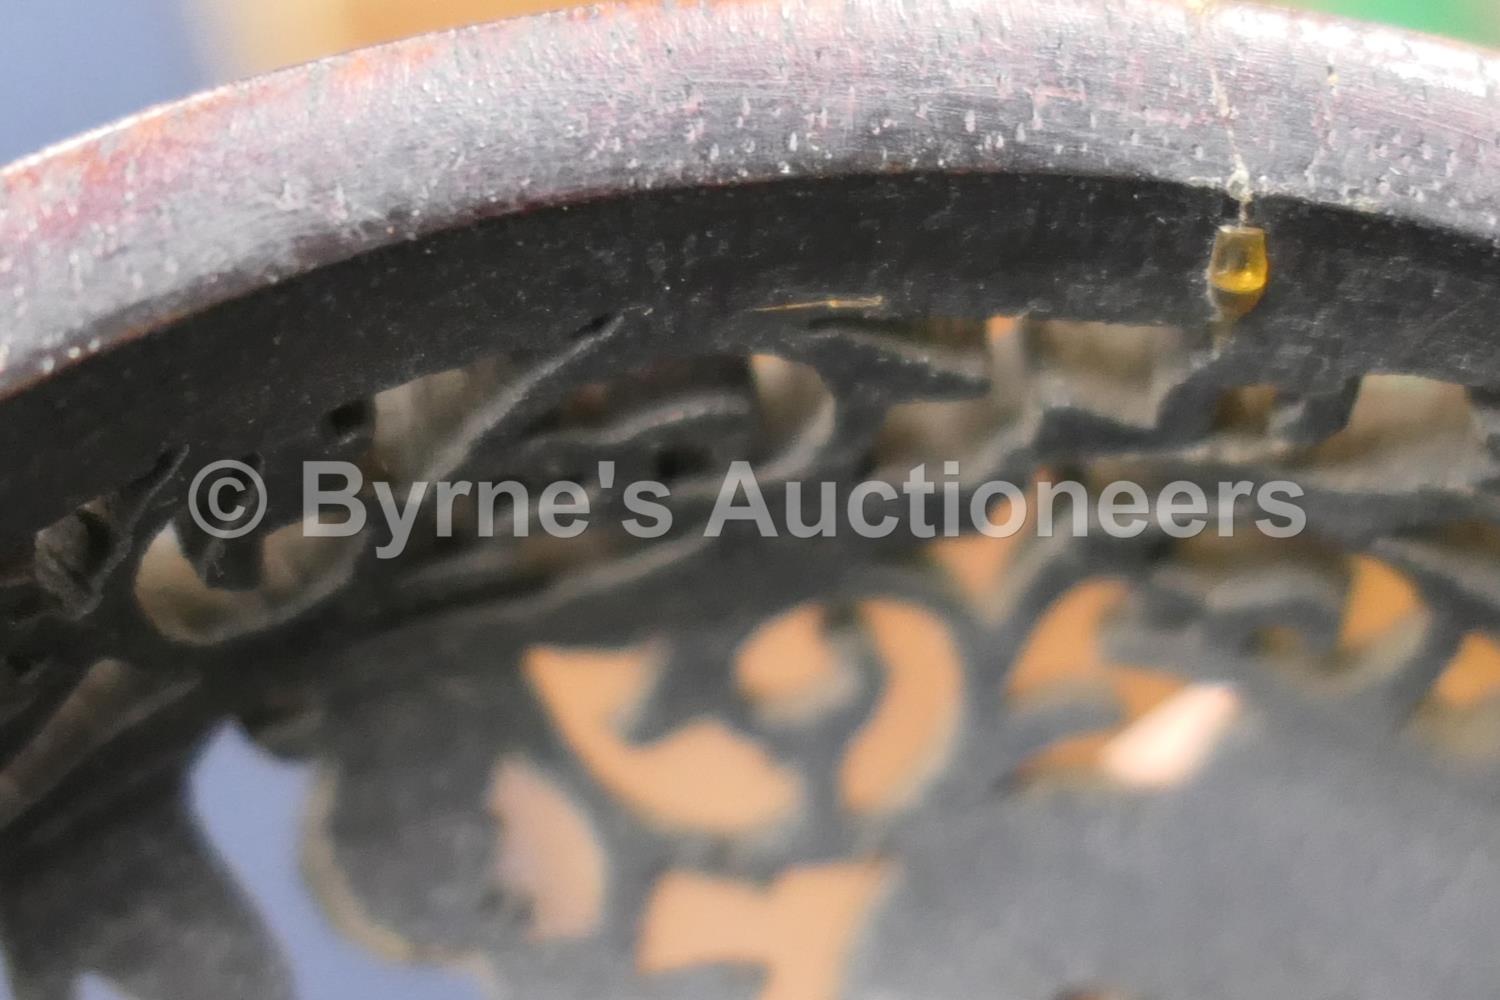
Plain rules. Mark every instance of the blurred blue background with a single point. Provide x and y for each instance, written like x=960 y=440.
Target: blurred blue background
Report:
x=69 y=65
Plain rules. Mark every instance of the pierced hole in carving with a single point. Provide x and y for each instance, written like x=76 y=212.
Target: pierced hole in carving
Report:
x=1245 y=410
x=912 y=729
x=1472 y=676
x=1064 y=648
x=595 y=325
x=796 y=408
x=1380 y=620
x=960 y=430
x=596 y=403
x=1461 y=713
x=1112 y=370
x=682 y=418
x=416 y=424
x=347 y=421
x=1167 y=728
x=792 y=669
x=677 y=420
x=1114 y=352
x=296 y=572
x=1381 y=601
x=1171 y=743
x=1394 y=407
x=1052 y=382
x=801 y=929
x=1405 y=432
x=1219 y=557
x=109 y=698
x=541 y=556
x=243 y=504
x=549 y=853
x=983 y=568
x=516 y=568
x=1307 y=608
x=702 y=777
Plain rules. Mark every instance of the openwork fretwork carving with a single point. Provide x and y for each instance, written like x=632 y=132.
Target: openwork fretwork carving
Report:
x=563 y=762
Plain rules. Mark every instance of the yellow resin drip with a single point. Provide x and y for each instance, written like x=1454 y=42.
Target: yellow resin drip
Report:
x=1238 y=269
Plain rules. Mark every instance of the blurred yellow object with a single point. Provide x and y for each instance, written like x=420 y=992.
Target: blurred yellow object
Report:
x=252 y=36
x=1239 y=268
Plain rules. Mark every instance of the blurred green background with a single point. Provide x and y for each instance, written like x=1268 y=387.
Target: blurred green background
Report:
x=1475 y=20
